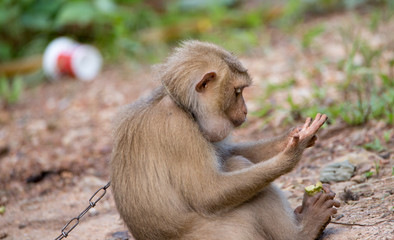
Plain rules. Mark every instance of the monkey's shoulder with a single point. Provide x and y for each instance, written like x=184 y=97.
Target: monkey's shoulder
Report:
x=169 y=115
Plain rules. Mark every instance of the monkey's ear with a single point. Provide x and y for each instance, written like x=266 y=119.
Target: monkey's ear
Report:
x=202 y=85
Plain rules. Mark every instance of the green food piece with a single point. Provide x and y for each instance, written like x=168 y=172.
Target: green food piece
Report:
x=2 y=209
x=313 y=189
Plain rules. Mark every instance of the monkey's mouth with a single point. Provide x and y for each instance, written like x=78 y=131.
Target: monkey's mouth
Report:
x=238 y=123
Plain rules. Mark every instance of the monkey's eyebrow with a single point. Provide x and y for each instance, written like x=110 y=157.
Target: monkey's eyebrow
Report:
x=242 y=86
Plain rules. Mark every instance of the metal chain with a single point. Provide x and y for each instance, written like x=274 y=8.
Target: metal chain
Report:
x=92 y=203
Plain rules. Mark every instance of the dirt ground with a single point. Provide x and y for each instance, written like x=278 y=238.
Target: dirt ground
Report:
x=55 y=145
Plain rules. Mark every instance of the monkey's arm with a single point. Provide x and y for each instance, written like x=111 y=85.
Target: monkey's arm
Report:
x=260 y=150
x=215 y=190
x=264 y=149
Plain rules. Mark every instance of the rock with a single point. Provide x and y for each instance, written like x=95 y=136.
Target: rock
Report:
x=385 y=155
x=119 y=236
x=22 y=225
x=337 y=172
x=338 y=216
x=93 y=212
x=359 y=179
x=364 y=167
x=356 y=158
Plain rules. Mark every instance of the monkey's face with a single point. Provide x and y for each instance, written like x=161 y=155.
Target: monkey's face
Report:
x=223 y=108
x=235 y=108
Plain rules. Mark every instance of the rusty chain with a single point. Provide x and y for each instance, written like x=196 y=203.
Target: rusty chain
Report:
x=92 y=203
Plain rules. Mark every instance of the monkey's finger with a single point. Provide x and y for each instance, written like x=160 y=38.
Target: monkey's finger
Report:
x=333 y=211
x=318 y=116
x=327 y=189
x=328 y=204
x=311 y=200
x=337 y=203
x=295 y=130
x=317 y=124
x=331 y=203
x=307 y=123
x=323 y=118
x=324 y=198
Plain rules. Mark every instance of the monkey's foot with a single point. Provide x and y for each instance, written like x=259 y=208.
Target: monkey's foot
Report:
x=315 y=212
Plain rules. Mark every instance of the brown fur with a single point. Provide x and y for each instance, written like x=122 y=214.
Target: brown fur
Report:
x=175 y=174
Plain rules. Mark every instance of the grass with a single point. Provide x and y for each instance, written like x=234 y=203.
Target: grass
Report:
x=144 y=35
x=10 y=89
x=375 y=146
x=367 y=91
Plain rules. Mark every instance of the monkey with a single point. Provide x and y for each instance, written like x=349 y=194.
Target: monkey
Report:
x=176 y=174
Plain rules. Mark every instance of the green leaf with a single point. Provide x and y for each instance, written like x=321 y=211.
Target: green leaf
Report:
x=368 y=174
x=309 y=36
x=386 y=80
x=81 y=13
x=16 y=90
x=4 y=87
x=5 y=51
x=374 y=146
x=8 y=14
x=2 y=209
x=105 y=6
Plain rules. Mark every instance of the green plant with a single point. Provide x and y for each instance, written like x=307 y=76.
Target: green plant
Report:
x=377 y=167
x=371 y=173
x=271 y=88
x=387 y=135
x=263 y=111
x=374 y=146
x=295 y=108
x=10 y=90
x=368 y=174
x=310 y=35
x=366 y=90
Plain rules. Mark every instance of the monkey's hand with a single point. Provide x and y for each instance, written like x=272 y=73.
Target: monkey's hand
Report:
x=305 y=136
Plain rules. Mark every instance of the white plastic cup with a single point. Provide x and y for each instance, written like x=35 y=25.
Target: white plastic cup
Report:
x=64 y=56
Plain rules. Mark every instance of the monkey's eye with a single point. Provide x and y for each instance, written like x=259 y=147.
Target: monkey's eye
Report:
x=238 y=91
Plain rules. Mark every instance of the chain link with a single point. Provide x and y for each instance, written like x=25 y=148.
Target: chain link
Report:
x=92 y=203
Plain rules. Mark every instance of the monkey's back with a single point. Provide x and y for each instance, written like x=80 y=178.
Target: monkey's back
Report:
x=145 y=178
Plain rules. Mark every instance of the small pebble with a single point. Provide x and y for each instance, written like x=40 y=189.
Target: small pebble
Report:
x=3 y=235
x=22 y=226
x=120 y=236
x=339 y=216
x=93 y=212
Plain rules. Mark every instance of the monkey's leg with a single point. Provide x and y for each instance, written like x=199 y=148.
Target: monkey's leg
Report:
x=274 y=216
x=315 y=212
x=266 y=216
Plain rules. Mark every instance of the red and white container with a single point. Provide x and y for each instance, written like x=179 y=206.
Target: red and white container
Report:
x=64 y=56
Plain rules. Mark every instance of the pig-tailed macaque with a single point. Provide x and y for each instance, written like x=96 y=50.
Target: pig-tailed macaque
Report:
x=177 y=175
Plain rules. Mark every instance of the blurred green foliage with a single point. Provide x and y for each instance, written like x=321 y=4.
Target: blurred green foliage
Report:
x=143 y=30
x=10 y=90
x=26 y=26
x=134 y=28
x=367 y=91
